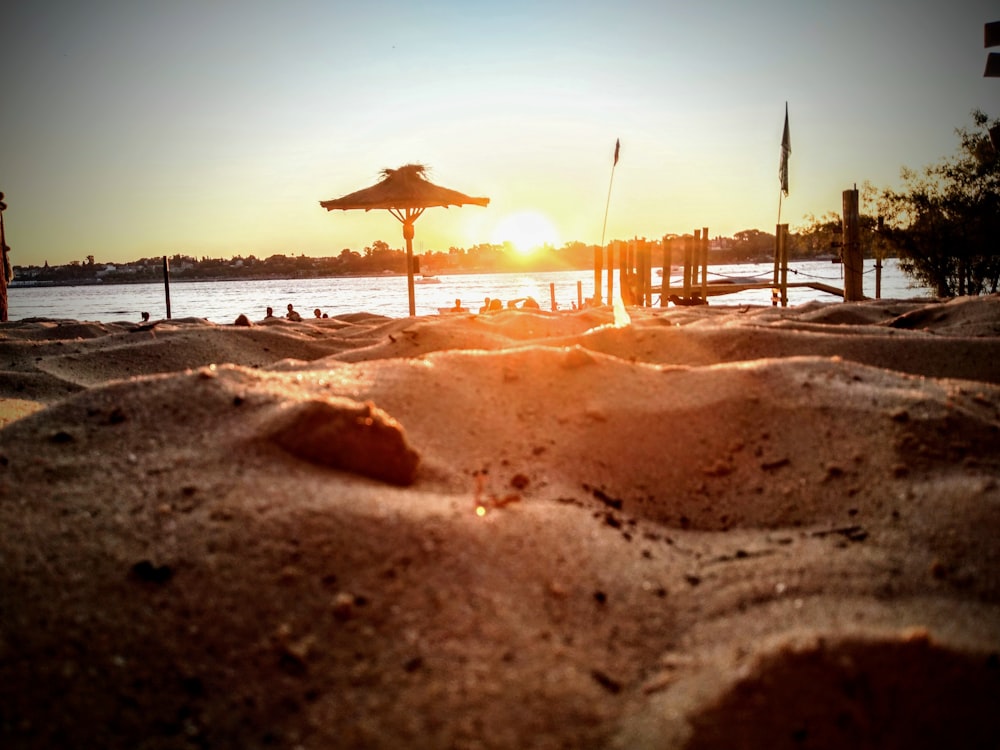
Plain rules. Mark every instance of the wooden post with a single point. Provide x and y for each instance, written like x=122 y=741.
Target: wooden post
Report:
x=611 y=272
x=408 y=232
x=166 y=283
x=777 y=257
x=4 y=264
x=624 y=271
x=688 y=253
x=552 y=294
x=782 y=240
x=647 y=273
x=598 y=260
x=640 y=273
x=579 y=295
x=695 y=257
x=878 y=257
x=668 y=258
x=704 y=263
x=642 y=266
x=853 y=263
x=635 y=271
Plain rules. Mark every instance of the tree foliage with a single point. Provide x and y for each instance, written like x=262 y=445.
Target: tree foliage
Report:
x=945 y=223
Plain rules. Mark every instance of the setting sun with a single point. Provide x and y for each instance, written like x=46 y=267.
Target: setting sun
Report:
x=526 y=231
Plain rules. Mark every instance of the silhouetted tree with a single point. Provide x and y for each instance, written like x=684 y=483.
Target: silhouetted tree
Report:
x=753 y=244
x=945 y=224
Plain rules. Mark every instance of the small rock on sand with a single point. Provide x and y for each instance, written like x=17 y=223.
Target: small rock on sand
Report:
x=351 y=436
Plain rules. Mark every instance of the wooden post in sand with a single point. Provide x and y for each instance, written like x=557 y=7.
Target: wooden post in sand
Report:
x=640 y=274
x=777 y=257
x=668 y=258
x=4 y=264
x=598 y=261
x=782 y=240
x=611 y=272
x=552 y=295
x=647 y=274
x=624 y=270
x=688 y=253
x=879 y=251
x=853 y=262
x=704 y=263
x=166 y=283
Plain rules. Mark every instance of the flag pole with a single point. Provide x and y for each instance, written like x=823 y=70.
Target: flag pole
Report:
x=780 y=251
x=604 y=226
x=618 y=145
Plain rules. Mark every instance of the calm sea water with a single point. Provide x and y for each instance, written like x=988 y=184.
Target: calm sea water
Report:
x=223 y=301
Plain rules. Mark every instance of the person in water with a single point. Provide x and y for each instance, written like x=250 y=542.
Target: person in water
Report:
x=291 y=314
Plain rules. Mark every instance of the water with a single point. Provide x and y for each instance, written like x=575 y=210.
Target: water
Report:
x=223 y=301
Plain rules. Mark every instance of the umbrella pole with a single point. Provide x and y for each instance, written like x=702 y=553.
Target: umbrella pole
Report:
x=408 y=236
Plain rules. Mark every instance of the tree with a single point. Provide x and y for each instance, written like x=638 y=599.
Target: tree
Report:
x=945 y=224
x=752 y=245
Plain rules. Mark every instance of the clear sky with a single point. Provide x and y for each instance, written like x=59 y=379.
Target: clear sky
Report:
x=138 y=128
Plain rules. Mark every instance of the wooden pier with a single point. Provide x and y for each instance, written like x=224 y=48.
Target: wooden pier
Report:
x=635 y=272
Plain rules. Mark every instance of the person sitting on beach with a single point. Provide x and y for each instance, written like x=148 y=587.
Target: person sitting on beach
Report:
x=292 y=315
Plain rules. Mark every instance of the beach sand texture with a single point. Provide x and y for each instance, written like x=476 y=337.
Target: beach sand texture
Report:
x=716 y=527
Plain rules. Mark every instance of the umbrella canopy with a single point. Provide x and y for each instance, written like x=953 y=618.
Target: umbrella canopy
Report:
x=401 y=189
x=404 y=192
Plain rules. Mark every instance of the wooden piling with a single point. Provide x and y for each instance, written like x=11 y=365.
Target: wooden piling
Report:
x=777 y=258
x=625 y=272
x=783 y=258
x=552 y=294
x=668 y=258
x=611 y=272
x=879 y=252
x=704 y=263
x=4 y=265
x=598 y=260
x=688 y=254
x=853 y=262
x=647 y=273
x=166 y=283
x=696 y=258
x=579 y=295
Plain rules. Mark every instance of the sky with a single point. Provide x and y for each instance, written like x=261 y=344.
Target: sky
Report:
x=140 y=128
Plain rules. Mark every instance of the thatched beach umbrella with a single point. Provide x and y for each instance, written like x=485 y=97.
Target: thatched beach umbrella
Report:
x=405 y=193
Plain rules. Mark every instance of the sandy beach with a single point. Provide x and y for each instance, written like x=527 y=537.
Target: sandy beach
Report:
x=714 y=527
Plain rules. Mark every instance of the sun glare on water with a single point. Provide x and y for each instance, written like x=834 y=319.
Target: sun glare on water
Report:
x=526 y=231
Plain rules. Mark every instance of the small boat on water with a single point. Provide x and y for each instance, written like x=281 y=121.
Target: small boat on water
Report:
x=427 y=279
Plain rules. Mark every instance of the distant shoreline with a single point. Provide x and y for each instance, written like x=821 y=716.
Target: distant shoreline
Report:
x=22 y=284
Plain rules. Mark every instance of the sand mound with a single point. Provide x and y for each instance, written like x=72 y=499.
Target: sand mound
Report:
x=710 y=527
